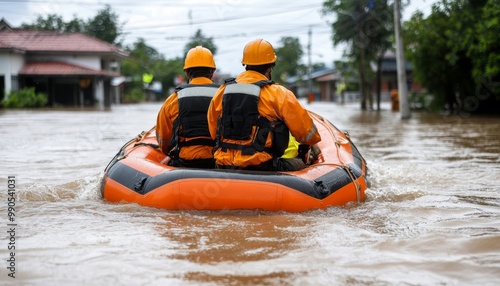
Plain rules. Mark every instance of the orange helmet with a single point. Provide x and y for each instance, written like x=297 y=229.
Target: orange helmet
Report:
x=258 y=52
x=199 y=57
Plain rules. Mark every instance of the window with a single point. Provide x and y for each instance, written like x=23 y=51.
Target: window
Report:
x=14 y=83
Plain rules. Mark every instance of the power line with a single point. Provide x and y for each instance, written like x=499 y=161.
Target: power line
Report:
x=269 y=21
x=260 y=15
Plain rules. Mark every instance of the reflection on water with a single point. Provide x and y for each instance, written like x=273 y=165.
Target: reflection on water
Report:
x=224 y=242
x=210 y=243
x=431 y=216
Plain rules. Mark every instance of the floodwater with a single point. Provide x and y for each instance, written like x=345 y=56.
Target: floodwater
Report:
x=432 y=216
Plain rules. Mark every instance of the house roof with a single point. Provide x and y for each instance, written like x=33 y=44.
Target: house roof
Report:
x=329 y=77
x=389 y=65
x=314 y=75
x=58 y=68
x=4 y=25
x=55 y=42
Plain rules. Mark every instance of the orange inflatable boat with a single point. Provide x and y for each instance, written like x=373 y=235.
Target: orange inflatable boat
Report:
x=137 y=174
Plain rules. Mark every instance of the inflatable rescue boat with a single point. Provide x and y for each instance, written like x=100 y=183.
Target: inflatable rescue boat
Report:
x=138 y=174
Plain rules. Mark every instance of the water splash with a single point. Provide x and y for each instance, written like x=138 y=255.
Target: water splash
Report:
x=86 y=188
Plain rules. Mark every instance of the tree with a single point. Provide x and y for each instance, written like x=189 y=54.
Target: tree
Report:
x=348 y=71
x=75 y=26
x=52 y=22
x=167 y=70
x=365 y=27
x=198 y=39
x=486 y=49
x=382 y=43
x=289 y=55
x=141 y=59
x=145 y=59
x=105 y=26
x=452 y=50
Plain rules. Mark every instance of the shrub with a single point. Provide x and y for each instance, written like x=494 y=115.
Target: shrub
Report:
x=25 y=98
x=134 y=96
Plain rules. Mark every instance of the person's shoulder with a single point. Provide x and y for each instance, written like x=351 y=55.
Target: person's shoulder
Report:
x=173 y=97
x=279 y=88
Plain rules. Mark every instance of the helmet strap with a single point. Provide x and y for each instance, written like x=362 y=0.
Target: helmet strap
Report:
x=268 y=73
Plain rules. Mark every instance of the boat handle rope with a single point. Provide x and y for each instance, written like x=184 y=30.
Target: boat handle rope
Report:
x=355 y=182
x=342 y=164
x=138 y=143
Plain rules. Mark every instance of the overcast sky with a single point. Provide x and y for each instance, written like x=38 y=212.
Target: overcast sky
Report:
x=167 y=25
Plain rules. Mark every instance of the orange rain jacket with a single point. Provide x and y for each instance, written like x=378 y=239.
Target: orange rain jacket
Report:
x=275 y=103
x=164 y=125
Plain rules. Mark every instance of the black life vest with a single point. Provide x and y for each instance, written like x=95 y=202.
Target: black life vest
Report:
x=193 y=102
x=240 y=116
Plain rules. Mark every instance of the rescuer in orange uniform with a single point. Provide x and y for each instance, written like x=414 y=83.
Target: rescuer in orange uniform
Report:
x=251 y=118
x=181 y=125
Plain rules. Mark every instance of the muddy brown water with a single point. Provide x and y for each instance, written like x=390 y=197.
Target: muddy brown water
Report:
x=431 y=217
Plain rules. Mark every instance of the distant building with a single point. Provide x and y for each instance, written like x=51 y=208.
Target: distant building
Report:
x=323 y=84
x=326 y=82
x=389 y=76
x=73 y=69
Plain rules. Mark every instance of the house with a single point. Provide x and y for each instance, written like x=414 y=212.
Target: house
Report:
x=325 y=82
x=73 y=69
x=389 y=76
x=322 y=83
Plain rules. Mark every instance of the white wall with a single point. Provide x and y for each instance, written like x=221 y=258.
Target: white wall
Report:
x=5 y=68
x=10 y=65
x=99 y=92
x=91 y=62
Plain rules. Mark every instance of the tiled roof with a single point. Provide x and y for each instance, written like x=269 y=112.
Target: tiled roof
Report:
x=390 y=65
x=50 y=41
x=314 y=75
x=329 y=77
x=58 y=68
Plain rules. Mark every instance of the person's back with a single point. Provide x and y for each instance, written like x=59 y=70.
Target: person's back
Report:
x=182 y=128
x=251 y=116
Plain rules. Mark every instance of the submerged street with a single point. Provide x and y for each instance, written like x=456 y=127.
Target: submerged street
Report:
x=431 y=216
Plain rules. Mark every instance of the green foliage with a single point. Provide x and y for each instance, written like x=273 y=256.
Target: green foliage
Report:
x=422 y=101
x=366 y=28
x=141 y=60
x=145 y=59
x=104 y=26
x=428 y=51
x=167 y=70
x=52 y=22
x=485 y=51
x=456 y=51
x=135 y=95
x=347 y=69
x=25 y=98
x=362 y=25
x=198 y=39
x=289 y=55
x=75 y=26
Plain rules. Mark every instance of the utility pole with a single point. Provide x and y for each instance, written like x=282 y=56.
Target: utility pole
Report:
x=400 y=59
x=309 y=67
x=190 y=16
x=310 y=94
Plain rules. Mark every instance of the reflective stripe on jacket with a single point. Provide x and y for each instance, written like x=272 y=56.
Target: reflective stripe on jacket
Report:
x=181 y=126
x=241 y=127
x=276 y=103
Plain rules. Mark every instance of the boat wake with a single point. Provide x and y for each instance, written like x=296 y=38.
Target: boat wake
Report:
x=86 y=188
